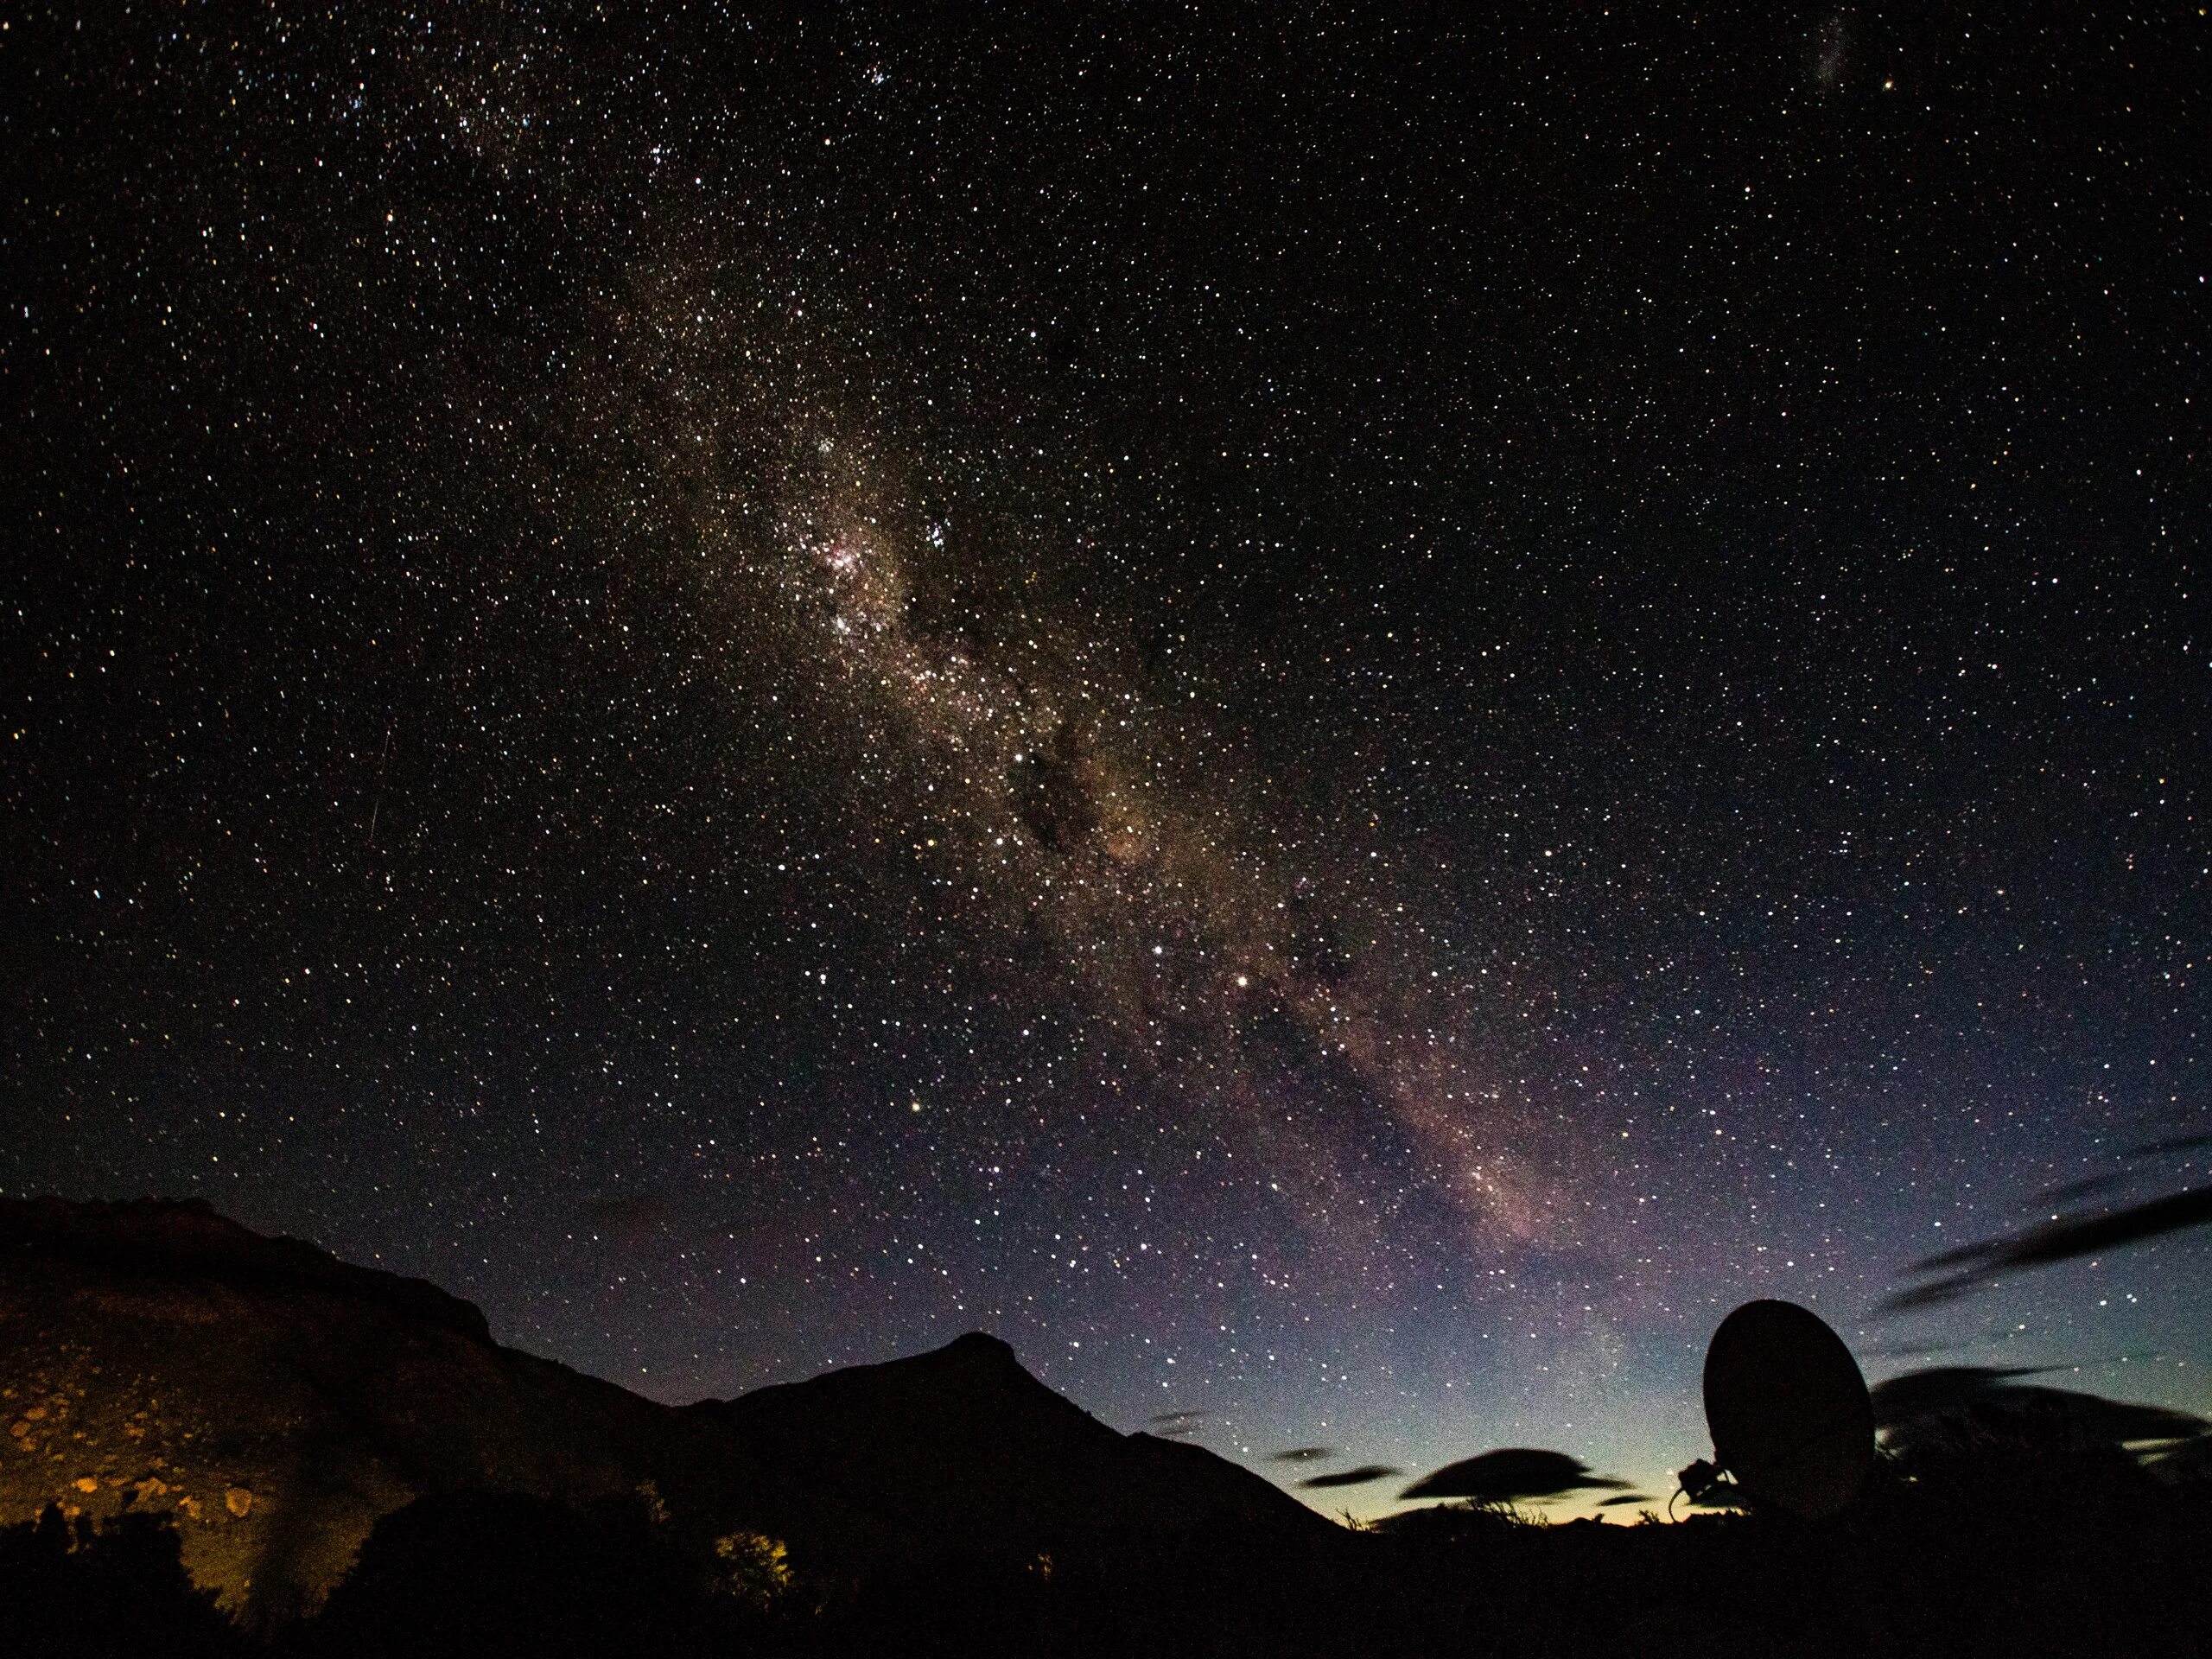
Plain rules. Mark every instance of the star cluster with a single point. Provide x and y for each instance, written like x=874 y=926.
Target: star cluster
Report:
x=1341 y=721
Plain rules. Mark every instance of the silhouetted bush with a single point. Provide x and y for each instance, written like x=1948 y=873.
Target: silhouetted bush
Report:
x=498 y=1573
x=1470 y=1520
x=70 y=1590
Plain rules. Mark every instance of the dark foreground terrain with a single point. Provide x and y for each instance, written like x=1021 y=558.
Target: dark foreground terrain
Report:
x=221 y=1444
x=1912 y=1572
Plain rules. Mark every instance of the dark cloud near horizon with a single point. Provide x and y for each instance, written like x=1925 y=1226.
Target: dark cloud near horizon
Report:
x=1972 y=1266
x=1363 y=1475
x=1512 y=1472
x=1938 y=1401
x=1174 y=1425
x=2088 y=1186
x=2069 y=1192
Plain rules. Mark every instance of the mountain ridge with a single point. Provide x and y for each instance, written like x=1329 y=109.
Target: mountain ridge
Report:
x=277 y=1403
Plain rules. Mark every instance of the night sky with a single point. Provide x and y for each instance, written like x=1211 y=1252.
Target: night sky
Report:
x=1340 y=717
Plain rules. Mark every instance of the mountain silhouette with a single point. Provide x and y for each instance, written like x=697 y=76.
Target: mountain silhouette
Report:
x=963 y=1447
x=275 y=1402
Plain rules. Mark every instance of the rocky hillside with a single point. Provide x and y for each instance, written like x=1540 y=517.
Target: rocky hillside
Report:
x=277 y=1402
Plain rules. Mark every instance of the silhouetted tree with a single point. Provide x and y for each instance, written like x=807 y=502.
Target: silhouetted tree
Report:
x=471 y=1574
x=74 y=1589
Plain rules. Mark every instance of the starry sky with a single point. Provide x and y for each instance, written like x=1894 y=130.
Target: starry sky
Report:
x=1340 y=715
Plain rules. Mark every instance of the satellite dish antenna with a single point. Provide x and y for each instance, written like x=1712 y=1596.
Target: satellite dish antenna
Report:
x=1787 y=1409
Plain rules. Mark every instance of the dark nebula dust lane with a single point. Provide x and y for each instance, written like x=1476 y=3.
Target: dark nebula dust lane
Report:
x=1342 y=723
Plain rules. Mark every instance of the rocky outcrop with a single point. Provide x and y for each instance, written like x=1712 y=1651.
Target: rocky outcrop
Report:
x=278 y=1403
